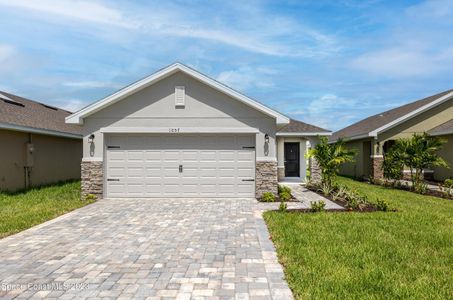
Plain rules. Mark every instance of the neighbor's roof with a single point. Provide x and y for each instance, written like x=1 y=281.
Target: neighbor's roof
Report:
x=445 y=128
x=77 y=118
x=297 y=127
x=21 y=114
x=373 y=125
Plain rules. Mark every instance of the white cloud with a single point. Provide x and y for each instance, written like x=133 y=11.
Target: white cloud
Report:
x=245 y=78
x=404 y=62
x=82 y=10
x=71 y=105
x=6 y=51
x=251 y=30
x=92 y=84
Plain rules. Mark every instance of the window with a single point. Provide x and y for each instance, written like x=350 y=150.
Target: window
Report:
x=180 y=96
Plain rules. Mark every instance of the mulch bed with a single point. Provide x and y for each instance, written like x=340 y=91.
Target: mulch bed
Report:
x=434 y=193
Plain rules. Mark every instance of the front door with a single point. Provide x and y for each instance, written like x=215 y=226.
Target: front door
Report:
x=292 y=160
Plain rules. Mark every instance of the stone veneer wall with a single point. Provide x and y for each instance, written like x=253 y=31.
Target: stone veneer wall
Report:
x=280 y=173
x=92 y=178
x=377 y=171
x=315 y=170
x=266 y=178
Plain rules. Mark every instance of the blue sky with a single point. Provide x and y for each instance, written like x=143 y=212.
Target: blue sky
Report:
x=329 y=63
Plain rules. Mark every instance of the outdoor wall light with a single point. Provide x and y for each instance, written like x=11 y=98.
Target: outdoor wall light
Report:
x=91 y=138
x=266 y=138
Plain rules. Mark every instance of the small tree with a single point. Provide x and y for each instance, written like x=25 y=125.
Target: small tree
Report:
x=330 y=157
x=417 y=153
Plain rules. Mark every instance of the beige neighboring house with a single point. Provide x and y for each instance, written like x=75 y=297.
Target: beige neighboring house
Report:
x=179 y=133
x=373 y=136
x=37 y=147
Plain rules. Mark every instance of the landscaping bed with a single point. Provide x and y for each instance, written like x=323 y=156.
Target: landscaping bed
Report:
x=404 y=255
x=348 y=198
x=26 y=209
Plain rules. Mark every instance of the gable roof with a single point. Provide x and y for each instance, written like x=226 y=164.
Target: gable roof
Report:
x=77 y=118
x=296 y=127
x=445 y=128
x=381 y=122
x=21 y=114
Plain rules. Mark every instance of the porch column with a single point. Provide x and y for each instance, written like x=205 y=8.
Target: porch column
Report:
x=315 y=170
x=377 y=160
x=280 y=158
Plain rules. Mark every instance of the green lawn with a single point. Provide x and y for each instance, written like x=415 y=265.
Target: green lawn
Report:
x=396 y=255
x=25 y=209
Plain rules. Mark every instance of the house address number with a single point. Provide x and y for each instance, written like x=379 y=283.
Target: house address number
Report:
x=173 y=130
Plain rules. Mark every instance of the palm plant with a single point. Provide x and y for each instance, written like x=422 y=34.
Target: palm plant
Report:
x=330 y=157
x=417 y=153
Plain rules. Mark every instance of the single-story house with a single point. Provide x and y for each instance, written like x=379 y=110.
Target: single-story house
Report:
x=179 y=133
x=373 y=136
x=37 y=146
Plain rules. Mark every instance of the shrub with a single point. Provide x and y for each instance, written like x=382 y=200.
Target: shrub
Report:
x=317 y=206
x=283 y=207
x=330 y=157
x=268 y=197
x=382 y=205
x=285 y=196
x=326 y=189
x=447 y=188
x=284 y=188
x=90 y=197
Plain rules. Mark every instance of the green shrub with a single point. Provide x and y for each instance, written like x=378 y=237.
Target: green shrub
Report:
x=285 y=196
x=447 y=187
x=382 y=205
x=90 y=197
x=284 y=188
x=317 y=206
x=268 y=197
x=283 y=207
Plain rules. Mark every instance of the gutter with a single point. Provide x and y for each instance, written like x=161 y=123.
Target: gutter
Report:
x=40 y=131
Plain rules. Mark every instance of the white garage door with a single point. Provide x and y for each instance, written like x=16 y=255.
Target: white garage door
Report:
x=149 y=166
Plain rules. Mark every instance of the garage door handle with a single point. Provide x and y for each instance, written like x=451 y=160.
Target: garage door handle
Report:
x=180 y=168
x=248 y=179
x=113 y=179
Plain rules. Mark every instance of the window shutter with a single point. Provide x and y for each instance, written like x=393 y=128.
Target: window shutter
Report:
x=180 y=96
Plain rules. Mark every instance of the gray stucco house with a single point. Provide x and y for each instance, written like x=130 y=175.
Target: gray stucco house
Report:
x=179 y=133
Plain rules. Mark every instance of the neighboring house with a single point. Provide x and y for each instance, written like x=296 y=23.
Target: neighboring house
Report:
x=37 y=147
x=445 y=132
x=179 y=133
x=373 y=136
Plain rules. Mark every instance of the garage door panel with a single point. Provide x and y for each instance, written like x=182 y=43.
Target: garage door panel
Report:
x=212 y=166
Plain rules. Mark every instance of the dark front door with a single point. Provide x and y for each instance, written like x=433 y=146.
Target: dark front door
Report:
x=292 y=160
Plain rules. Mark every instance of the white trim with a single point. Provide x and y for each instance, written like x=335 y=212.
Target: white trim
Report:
x=302 y=134
x=444 y=132
x=39 y=131
x=273 y=159
x=178 y=130
x=412 y=114
x=77 y=118
x=377 y=156
x=88 y=159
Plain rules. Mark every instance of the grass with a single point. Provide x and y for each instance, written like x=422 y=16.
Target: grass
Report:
x=22 y=210
x=395 y=255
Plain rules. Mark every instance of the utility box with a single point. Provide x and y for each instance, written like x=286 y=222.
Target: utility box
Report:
x=29 y=155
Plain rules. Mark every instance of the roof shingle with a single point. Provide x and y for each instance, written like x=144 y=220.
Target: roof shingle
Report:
x=374 y=122
x=20 y=111
x=296 y=126
x=445 y=127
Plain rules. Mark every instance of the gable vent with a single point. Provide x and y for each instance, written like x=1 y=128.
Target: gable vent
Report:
x=180 y=95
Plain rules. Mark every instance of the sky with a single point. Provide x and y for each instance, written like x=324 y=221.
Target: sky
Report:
x=328 y=63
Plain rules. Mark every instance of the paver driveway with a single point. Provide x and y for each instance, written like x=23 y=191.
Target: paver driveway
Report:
x=173 y=248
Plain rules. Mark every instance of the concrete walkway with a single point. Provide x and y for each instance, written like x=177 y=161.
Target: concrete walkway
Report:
x=147 y=249
x=305 y=196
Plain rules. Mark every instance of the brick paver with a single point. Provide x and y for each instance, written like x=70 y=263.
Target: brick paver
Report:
x=146 y=249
